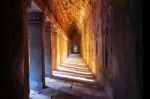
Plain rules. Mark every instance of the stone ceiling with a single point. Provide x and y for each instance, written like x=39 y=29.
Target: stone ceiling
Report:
x=68 y=13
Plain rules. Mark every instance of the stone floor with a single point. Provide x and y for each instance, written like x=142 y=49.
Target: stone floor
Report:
x=73 y=80
x=75 y=69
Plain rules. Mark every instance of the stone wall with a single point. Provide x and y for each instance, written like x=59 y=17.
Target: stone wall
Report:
x=120 y=37
x=92 y=38
x=13 y=83
x=113 y=35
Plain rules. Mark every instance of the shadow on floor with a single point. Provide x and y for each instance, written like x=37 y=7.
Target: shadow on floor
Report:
x=63 y=89
x=73 y=80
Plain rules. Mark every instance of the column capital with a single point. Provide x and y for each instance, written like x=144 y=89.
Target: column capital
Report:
x=54 y=30
x=47 y=26
x=60 y=34
x=35 y=17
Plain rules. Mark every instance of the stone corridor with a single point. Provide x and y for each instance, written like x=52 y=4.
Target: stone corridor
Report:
x=72 y=80
x=71 y=49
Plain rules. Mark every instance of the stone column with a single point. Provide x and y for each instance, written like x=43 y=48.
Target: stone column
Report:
x=35 y=30
x=26 y=55
x=47 y=49
x=60 y=47
x=54 y=48
x=12 y=50
x=65 y=47
x=69 y=47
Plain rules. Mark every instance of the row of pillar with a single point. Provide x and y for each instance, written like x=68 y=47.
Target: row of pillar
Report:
x=59 y=50
x=39 y=49
x=47 y=49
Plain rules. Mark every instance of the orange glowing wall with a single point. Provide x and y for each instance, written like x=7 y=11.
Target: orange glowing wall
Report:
x=62 y=45
x=54 y=50
x=59 y=47
x=92 y=39
x=88 y=43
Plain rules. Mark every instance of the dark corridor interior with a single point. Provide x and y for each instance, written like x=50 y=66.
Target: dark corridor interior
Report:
x=75 y=40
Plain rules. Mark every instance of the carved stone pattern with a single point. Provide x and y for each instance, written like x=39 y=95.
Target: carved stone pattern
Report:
x=35 y=16
x=54 y=29
x=47 y=24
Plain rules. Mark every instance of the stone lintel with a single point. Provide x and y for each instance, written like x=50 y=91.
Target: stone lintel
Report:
x=35 y=18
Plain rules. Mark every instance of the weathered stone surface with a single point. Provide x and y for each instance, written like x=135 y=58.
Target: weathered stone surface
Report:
x=47 y=49
x=36 y=50
x=110 y=34
x=12 y=31
x=111 y=43
x=68 y=90
x=121 y=69
x=68 y=12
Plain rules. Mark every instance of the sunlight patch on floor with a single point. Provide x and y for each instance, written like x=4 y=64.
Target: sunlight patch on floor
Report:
x=74 y=68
